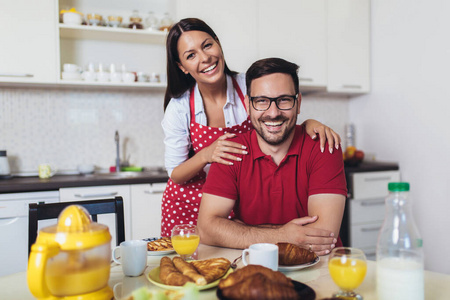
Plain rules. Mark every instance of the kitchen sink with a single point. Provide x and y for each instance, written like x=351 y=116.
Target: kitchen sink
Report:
x=118 y=175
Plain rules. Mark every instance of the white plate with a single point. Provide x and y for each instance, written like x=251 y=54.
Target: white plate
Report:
x=156 y=253
x=298 y=267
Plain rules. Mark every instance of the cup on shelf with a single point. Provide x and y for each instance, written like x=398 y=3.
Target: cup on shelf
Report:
x=143 y=77
x=116 y=77
x=89 y=76
x=103 y=76
x=154 y=77
x=128 y=77
x=114 y=21
x=94 y=19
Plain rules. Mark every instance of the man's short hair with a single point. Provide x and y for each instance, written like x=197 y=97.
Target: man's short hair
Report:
x=271 y=65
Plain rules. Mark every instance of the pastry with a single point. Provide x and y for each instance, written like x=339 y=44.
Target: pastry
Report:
x=241 y=274
x=169 y=275
x=258 y=287
x=212 y=269
x=289 y=254
x=189 y=270
x=162 y=244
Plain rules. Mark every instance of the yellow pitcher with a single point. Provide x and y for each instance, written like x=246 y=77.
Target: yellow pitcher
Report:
x=71 y=260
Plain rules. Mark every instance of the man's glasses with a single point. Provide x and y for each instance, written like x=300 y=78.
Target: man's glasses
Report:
x=285 y=102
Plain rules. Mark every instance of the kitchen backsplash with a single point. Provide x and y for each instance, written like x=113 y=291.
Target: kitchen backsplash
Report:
x=67 y=127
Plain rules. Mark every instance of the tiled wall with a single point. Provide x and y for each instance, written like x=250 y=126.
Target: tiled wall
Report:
x=68 y=127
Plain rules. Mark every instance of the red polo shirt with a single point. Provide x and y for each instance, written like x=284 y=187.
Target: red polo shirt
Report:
x=269 y=194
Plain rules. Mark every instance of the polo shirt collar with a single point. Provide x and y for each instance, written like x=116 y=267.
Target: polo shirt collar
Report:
x=231 y=96
x=296 y=143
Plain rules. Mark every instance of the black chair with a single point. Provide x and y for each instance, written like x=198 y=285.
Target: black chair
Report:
x=42 y=211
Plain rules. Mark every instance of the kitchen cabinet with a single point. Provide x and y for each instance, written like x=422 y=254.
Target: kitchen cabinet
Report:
x=233 y=21
x=103 y=192
x=146 y=209
x=136 y=50
x=348 y=46
x=28 y=37
x=365 y=209
x=296 y=33
x=14 y=228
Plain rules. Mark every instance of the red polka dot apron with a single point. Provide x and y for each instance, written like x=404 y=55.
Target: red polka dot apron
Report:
x=181 y=202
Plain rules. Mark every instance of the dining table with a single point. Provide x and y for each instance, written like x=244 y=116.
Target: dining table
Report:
x=317 y=277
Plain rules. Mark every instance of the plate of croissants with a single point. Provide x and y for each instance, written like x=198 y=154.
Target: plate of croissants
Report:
x=173 y=274
x=260 y=283
x=292 y=257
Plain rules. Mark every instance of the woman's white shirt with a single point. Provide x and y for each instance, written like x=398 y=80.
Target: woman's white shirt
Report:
x=177 y=119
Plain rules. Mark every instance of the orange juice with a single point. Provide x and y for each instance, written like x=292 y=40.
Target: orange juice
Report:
x=65 y=279
x=348 y=273
x=185 y=245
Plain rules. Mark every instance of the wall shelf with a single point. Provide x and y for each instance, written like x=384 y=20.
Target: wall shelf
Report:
x=111 y=34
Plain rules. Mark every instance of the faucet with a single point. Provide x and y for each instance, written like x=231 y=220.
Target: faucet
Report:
x=116 y=138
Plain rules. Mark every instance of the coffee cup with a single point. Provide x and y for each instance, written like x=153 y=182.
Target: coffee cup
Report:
x=133 y=257
x=46 y=171
x=263 y=254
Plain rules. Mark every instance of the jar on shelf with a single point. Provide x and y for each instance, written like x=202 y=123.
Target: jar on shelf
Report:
x=166 y=22
x=151 y=21
x=135 y=21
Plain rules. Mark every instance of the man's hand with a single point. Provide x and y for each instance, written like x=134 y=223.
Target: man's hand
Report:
x=318 y=240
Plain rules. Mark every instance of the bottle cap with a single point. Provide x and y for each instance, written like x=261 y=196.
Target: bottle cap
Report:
x=398 y=186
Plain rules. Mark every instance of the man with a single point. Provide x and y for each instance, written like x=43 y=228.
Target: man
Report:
x=285 y=189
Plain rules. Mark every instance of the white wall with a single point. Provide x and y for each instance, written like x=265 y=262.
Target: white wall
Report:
x=406 y=118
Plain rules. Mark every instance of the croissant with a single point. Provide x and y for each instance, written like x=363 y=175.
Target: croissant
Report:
x=188 y=270
x=241 y=274
x=289 y=254
x=169 y=275
x=258 y=287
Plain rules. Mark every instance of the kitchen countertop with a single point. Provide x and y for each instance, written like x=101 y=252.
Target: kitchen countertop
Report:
x=34 y=184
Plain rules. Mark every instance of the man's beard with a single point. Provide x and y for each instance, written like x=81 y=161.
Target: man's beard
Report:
x=277 y=139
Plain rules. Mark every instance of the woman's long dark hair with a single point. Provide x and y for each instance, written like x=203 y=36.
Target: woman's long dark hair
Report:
x=177 y=81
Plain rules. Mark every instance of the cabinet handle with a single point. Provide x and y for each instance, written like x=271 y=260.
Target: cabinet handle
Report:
x=369 y=229
x=15 y=75
x=154 y=192
x=372 y=202
x=95 y=195
x=352 y=86
x=378 y=178
x=306 y=79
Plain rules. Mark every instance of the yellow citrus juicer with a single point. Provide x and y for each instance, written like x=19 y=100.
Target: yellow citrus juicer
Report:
x=71 y=260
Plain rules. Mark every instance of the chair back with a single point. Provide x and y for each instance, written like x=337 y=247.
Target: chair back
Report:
x=43 y=211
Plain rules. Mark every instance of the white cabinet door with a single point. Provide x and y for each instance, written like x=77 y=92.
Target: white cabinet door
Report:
x=233 y=21
x=28 y=51
x=146 y=209
x=295 y=31
x=14 y=228
x=349 y=46
x=103 y=192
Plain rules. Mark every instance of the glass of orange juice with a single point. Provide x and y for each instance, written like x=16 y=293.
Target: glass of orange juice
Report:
x=185 y=240
x=347 y=268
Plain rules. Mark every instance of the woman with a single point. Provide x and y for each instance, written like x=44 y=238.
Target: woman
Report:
x=204 y=109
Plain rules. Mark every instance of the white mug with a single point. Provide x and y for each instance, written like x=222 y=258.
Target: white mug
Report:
x=133 y=257
x=263 y=254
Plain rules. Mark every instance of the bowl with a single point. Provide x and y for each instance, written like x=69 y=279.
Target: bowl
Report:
x=72 y=18
x=86 y=168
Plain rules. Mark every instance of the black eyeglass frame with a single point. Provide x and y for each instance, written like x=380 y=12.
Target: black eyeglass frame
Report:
x=274 y=100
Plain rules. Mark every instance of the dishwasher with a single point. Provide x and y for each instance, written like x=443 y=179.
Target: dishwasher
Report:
x=14 y=228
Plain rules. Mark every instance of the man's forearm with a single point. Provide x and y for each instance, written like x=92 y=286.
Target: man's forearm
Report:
x=234 y=234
